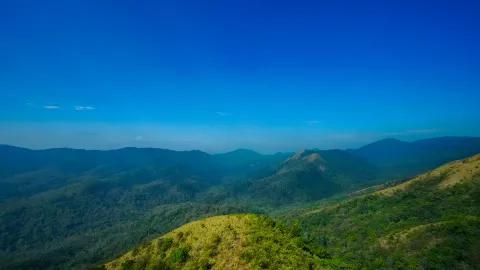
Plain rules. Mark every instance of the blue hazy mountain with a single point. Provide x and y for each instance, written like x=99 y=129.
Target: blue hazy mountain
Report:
x=399 y=159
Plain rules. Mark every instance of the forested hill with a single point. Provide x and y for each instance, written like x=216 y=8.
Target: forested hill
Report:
x=429 y=222
x=306 y=176
x=70 y=209
x=25 y=172
x=65 y=208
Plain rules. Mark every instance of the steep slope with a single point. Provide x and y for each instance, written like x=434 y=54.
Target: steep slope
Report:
x=307 y=176
x=450 y=174
x=429 y=222
x=398 y=159
x=222 y=242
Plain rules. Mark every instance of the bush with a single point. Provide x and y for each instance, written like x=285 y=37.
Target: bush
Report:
x=179 y=255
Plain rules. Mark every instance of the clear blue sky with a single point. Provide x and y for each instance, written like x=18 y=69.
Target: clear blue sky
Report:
x=217 y=75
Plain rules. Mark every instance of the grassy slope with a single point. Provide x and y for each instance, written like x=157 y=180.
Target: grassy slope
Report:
x=223 y=242
x=429 y=222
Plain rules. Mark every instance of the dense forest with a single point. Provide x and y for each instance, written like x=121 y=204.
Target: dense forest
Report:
x=429 y=222
x=76 y=209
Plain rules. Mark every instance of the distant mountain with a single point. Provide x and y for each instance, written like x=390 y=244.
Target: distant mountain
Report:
x=223 y=242
x=248 y=164
x=306 y=176
x=25 y=172
x=429 y=222
x=398 y=159
x=97 y=204
x=239 y=156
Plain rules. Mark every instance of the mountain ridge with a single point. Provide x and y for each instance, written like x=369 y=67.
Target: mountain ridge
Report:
x=106 y=204
x=421 y=225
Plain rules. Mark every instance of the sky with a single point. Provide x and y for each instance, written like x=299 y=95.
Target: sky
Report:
x=219 y=75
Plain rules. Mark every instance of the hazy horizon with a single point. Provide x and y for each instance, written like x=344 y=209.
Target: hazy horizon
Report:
x=147 y=145
x=267 y=76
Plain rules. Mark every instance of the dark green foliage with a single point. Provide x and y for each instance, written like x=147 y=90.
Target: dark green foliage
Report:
x=165 y=244
x=179 y=255
x=276 y=246
x=67 y=209
x=423 y=227
x=307 y=176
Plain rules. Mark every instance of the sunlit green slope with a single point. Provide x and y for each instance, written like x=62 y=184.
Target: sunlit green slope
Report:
x=429 y=222
x=223 y=242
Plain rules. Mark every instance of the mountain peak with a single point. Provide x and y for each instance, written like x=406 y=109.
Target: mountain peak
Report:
x=222 y=242
x=303 y=160
x=306 y=154
x=385 y=142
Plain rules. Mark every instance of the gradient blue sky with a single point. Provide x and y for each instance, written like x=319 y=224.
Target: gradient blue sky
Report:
x=217 y=75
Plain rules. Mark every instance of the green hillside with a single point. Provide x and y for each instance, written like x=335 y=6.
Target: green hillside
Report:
x=223 y=242
x=307 y=176
x=70 y=209
x=429 y=222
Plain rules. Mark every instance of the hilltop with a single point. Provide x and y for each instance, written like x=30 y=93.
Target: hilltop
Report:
x=308 y=176
x=223 y=242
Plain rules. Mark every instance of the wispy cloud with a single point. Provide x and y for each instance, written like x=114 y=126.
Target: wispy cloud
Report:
x=51 y=107
x=84 y=108
x=223 y=114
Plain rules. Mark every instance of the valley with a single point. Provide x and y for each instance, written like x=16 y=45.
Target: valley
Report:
x=78 y=209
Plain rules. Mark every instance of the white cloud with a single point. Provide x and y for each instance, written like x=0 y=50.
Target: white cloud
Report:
x=223 y=114
x=139 y=138
x=51 y=107
x=84 y=108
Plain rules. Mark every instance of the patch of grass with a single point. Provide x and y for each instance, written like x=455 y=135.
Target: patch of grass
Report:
x=225 y=242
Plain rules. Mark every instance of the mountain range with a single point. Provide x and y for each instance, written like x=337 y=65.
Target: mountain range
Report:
x=429 y=222
x=75 y=209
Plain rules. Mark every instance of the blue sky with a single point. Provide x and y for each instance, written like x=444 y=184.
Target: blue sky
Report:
x=218 y=75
